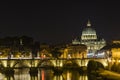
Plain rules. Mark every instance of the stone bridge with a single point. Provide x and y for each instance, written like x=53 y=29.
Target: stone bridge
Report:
x=46 y=62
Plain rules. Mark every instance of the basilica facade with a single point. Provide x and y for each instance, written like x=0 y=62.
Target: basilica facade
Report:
x=89 y=38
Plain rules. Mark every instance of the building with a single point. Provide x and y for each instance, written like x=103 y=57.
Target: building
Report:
x=115 y=49
x=91 y=40
x=112 y=50
x=16 y=46
x=74 y=51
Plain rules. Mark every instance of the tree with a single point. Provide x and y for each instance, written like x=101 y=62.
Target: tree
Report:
x=91 y=66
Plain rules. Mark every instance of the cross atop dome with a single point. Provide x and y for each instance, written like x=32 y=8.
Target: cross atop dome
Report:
x=88 y=23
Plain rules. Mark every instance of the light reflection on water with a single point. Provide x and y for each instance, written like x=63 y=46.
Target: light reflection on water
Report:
x=23 y=74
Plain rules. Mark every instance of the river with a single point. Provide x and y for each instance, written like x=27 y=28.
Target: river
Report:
x=45 y=74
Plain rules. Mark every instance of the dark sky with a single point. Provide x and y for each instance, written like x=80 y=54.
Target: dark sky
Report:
x=56 y=22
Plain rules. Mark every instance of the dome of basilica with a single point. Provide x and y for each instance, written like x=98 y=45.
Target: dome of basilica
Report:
x=93 y=42
x=88 y=31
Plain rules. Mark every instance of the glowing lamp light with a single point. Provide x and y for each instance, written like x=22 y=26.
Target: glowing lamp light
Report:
x=109 y=60
x=44 y=56
x=69 y=56
x=119 y=61
x=0 y=52
x=113 y=60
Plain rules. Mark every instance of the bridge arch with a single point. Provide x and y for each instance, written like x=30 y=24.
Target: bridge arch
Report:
x=98 y=62
x=104 y=62
x=20 y=64
x=45 y=63
x=70 y=62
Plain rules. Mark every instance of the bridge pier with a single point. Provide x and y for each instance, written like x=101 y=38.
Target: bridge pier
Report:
x=58 y=63
x=8 y=71
x=58 y=70
x=33 y=71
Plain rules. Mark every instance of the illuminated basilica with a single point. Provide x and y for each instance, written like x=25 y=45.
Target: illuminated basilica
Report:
x=91 y=40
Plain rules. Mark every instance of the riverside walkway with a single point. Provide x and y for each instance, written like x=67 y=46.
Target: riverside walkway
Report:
x=110 y=75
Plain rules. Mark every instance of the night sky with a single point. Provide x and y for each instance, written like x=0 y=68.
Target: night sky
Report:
x=57 y=22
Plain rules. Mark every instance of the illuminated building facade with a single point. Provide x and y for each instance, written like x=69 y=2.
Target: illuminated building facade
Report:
x=75 y=51
x=112 y=50
x=116 y=49
x=91 y=40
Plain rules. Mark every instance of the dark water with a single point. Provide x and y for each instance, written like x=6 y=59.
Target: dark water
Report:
x=43 y=74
